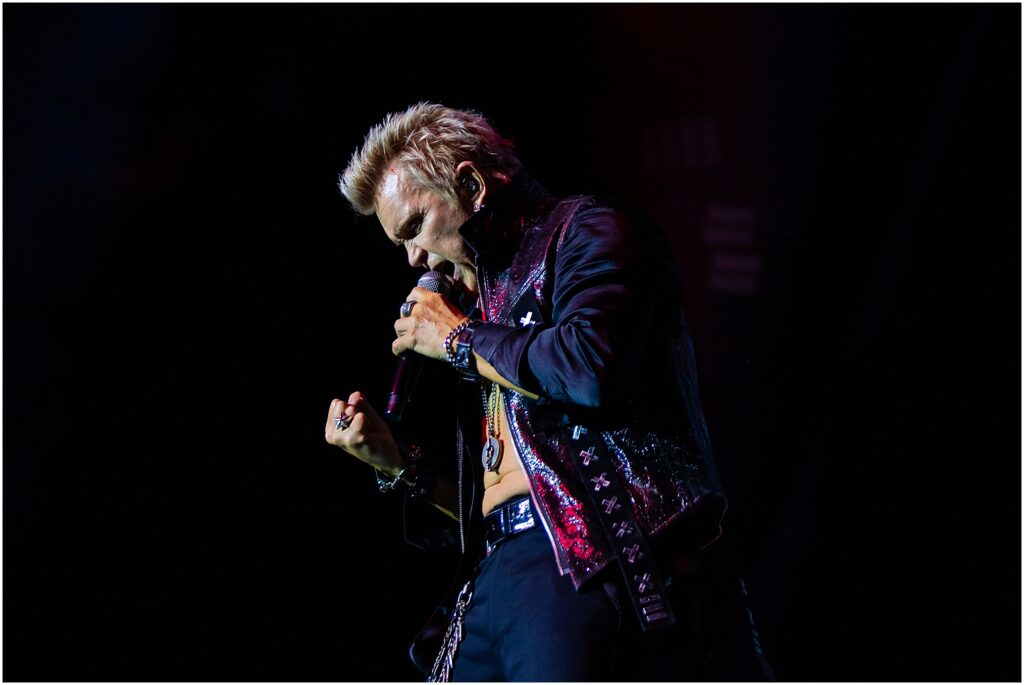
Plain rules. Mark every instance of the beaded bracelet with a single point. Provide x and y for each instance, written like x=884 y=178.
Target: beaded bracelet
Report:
x=451 y=338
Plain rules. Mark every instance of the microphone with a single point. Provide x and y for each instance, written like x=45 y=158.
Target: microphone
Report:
x=410 y=364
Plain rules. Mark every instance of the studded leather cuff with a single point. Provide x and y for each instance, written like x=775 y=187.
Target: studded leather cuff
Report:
x=463 y=358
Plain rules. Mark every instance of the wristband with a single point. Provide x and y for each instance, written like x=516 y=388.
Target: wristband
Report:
x=463 y=359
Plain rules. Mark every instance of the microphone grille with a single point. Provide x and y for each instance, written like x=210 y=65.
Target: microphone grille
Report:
x=435 y=282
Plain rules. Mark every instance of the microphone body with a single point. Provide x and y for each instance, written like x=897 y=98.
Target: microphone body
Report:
x=410 y=364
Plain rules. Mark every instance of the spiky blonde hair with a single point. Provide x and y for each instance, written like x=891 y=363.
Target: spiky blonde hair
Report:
x=430 y=140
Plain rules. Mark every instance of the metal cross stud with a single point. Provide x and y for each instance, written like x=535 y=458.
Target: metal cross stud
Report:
x=611 y=505
x=600 y=482
x=643 y=583
x=622 y=528
x=588 y=456
x=633 y=553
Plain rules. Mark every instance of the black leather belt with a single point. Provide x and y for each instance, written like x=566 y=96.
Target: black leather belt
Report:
x=508 y=520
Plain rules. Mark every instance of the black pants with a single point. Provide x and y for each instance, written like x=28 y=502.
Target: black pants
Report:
x=527 y=623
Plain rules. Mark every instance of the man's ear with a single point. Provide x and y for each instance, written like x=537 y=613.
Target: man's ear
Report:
x=472 y=184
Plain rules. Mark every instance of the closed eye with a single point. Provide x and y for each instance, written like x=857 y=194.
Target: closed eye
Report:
x=409 y=231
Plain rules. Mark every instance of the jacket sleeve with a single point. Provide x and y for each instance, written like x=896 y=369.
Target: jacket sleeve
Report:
x=602 y=307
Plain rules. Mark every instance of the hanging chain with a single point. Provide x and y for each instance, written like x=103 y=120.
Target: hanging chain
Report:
x=490 y=401
x=445 y=661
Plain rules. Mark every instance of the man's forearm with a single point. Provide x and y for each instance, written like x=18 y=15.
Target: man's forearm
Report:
x=490 y=373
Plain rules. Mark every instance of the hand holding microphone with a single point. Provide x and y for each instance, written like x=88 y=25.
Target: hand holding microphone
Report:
x=426 y=319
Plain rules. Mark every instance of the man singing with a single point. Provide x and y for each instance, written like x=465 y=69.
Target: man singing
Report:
x=585 y=480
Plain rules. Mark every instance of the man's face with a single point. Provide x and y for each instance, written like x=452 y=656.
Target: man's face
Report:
x=425 y=225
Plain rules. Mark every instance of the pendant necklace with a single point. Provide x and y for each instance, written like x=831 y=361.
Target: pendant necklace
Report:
x=491 y=456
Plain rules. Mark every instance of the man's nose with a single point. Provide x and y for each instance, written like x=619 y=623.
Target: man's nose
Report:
x=417 y=256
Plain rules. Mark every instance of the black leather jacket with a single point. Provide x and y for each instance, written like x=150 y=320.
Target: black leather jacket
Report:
x=582 y=307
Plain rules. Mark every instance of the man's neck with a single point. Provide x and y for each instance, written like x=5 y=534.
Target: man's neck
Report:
x=493 y=234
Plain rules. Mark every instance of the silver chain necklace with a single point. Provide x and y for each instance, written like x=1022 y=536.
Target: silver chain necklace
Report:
x=491 y=456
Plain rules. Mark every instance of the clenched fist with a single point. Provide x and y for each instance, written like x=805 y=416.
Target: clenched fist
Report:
x=367 y=436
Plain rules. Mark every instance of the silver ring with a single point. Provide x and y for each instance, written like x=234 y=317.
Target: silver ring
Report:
x=407 y=308
x=341 y=421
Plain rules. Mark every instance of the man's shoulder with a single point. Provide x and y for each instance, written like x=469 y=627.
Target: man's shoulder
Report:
x=604 y=214
x=609 y=207
x=613 y=230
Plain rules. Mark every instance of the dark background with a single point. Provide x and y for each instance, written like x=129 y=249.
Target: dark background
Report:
x=185 y=291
